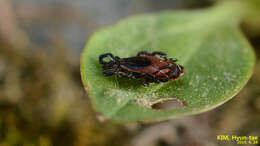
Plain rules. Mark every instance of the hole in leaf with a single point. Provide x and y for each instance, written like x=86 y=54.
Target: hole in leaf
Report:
x=168 y=103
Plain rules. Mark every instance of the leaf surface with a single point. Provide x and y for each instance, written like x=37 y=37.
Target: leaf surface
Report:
x=217 y=58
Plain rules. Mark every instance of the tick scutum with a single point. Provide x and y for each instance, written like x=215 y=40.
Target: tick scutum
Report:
x=135 y=63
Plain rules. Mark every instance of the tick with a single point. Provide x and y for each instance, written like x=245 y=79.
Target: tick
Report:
x=145 y=67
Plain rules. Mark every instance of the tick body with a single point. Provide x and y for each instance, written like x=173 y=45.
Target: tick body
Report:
x=145 y=67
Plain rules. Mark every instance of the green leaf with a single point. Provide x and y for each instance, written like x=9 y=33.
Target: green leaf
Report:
x=217 y=58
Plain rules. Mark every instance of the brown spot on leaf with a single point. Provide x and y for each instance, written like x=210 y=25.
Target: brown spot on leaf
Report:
x=161 y=103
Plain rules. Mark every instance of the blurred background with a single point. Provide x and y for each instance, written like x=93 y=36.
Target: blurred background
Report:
x=42 y=100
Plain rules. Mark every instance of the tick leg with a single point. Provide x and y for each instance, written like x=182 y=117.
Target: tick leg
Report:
x=152 y=78
x=136 y=76
x=108 y=73
x=142 y=53
x=117 y=58
x=173 y=60
x=129 y=75
x=161 y=54
x=150 y=75
x=125 y=74
x=103 y=56
x=107 y=66
x=144 y=83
